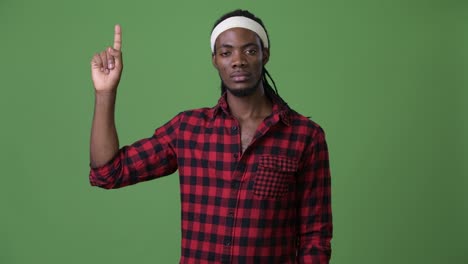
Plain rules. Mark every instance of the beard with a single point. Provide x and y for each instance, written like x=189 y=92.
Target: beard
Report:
x=241 y=92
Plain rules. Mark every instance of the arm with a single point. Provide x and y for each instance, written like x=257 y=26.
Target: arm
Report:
x=104 y=140
x=315 y=225
x=146 y=159
x=106 y=69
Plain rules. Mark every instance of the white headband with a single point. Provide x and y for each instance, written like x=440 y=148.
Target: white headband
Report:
x=239 y=22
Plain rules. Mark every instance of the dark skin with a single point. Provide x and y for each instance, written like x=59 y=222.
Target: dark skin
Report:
x=239 y=59
x=238 y=53
x=106 y=69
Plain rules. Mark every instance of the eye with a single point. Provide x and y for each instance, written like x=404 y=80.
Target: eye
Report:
x=225 y=53
x=251 y=51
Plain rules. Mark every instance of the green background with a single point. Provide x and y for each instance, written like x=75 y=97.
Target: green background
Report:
x=387 y=80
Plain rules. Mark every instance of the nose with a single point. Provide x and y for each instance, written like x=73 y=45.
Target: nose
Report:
x=238 y=60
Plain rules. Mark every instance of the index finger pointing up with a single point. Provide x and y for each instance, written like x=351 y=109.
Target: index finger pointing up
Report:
x=117 y=37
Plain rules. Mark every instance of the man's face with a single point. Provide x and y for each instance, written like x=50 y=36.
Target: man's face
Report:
x=239 y=60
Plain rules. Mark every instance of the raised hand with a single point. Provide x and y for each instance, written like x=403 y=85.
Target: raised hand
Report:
x=106 y=67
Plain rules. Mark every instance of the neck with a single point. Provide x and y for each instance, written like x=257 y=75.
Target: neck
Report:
x=254 y=106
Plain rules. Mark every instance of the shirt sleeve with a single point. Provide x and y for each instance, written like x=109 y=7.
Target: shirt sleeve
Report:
x=315 y=215
x=144 y=160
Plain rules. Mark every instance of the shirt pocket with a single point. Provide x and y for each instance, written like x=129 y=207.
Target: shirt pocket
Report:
x=274 y=176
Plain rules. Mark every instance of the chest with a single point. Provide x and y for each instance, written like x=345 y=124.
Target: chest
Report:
x=247 y=132
x=215 y=153
x=220 y=143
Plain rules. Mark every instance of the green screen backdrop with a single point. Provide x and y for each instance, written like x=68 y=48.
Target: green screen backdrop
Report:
x=387 y=81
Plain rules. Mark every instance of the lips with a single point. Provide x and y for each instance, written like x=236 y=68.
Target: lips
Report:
x=240 y=76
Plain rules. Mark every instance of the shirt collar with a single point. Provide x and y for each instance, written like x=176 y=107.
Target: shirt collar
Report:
x=280 y=108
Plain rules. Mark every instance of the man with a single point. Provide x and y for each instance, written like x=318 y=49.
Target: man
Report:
x=254 y=174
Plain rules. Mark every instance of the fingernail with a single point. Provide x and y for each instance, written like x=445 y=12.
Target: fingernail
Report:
x=111 y=66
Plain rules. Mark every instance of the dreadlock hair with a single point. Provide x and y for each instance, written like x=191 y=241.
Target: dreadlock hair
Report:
x=268 y=88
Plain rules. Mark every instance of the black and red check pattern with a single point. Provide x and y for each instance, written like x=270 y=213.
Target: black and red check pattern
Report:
x=269 y=204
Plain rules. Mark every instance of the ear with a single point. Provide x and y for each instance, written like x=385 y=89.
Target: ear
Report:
x=213 y=60
x=266 y=55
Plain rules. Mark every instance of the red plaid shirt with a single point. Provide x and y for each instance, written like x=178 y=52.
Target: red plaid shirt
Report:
x=269 y=204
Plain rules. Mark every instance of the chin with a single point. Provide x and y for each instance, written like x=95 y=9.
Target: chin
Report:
x=242 y=91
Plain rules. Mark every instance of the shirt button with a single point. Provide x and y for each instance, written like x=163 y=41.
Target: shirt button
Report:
x=234 y=129
x=236 y=155
x=227 y=242
x=235 y=184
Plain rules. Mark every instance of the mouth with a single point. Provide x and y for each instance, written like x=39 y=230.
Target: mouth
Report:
x=240 y=76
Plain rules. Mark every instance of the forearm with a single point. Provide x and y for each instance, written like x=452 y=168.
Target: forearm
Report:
x=104 y=143
x=316 y=227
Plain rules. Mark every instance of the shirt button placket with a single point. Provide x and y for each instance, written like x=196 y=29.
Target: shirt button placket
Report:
x=227 y=250
x=234 y=130
x=227 y=242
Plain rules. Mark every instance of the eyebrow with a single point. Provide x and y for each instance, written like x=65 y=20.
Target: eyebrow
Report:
x=243 y=46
